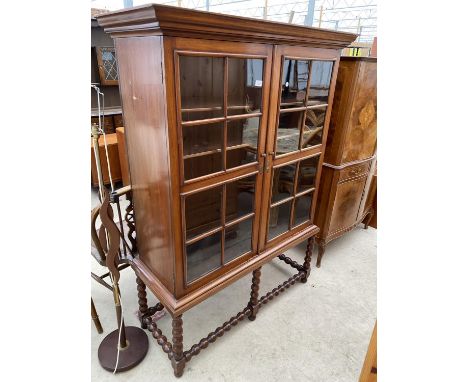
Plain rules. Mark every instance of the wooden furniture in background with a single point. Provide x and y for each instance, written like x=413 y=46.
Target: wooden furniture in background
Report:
x=120 y=132
x=112 y=119
x=225 y=124
x=113 y=151
x=369 y=368
x=349 y=161
x=107 y=65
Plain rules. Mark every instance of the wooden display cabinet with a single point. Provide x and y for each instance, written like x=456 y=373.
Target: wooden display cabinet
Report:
x=346 y=189
x=225 y=123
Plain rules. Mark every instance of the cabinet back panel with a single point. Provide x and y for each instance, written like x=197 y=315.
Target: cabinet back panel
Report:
x=143 y=103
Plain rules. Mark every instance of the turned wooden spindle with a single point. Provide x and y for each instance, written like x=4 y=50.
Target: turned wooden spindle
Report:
x=95 y=317
x=253 y=303
x=178 y=359
x=142 y=301
x=308 y=257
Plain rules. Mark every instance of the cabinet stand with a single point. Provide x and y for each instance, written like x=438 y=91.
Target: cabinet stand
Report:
x=174 y=350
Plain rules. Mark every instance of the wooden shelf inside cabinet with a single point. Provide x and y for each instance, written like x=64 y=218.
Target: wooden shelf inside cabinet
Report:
x=225 y=122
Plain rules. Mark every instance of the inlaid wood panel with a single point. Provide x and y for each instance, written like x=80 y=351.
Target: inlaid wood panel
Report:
x=346 y=205
x=362 y=135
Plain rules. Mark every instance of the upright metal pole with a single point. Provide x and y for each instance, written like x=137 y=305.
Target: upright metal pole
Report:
x=265 y=10
x=309 y=19
x=320 y=18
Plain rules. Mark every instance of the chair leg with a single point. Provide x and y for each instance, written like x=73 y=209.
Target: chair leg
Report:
x=308 y=257
x=95 y=317
x=178 y=359
x=253 y=303
x=142 y=301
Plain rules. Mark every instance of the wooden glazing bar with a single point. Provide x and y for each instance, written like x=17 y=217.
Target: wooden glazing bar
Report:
x=302 y=193
x=231 y=175
x=219 y=119
x=301 y=132
x=201 y=154
x=203 y=121
x=239 y=220
x=203 y=235
x=282 y=201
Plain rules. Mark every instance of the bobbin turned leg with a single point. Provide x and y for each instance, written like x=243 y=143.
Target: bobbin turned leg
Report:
x=142 y=301
x=321 y=251
x=308 y=256
x=253 y=303
x=178 y=359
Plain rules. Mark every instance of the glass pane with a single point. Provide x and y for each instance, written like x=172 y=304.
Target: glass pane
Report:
x=203 y=211
x=294 y=83
x=201 y=87
x=289 y=127
x=203 y=256
x=202 y=149
x=307 y=173
x=302 y=209
x=320 y=82
x=202 y=138
x=240 y=197
x=279 y=219
x=203 y=165
x=283 y=182
x=238 y=240
x=109 y=63
x=313 y=128
x=245 y=85
x=242 y=137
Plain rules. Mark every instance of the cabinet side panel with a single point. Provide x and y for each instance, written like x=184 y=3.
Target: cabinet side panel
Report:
x=340 y=112
x=362 y=132
x=143 y=102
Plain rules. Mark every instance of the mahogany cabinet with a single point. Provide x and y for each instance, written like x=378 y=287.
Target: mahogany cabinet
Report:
x=225 y=124
x=346 y=189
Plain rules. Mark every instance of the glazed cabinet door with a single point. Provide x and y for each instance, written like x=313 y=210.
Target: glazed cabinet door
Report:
x=221 y=93
x=302 y=92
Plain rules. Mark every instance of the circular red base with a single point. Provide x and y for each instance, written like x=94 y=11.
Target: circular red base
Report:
x=132 y=355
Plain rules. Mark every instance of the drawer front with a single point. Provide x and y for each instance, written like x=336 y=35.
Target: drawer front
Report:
x=354 y=171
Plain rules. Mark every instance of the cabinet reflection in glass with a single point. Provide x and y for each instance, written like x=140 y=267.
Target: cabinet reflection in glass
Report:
x=294 y=82
x=203 y=256
x=242 y=141
x=203 y=211
x=201 y=87
x=245 y=85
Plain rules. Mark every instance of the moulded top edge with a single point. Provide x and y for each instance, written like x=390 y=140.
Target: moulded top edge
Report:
x=169 y=19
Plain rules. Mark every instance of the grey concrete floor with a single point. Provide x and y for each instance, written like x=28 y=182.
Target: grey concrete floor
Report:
x=317 y=331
